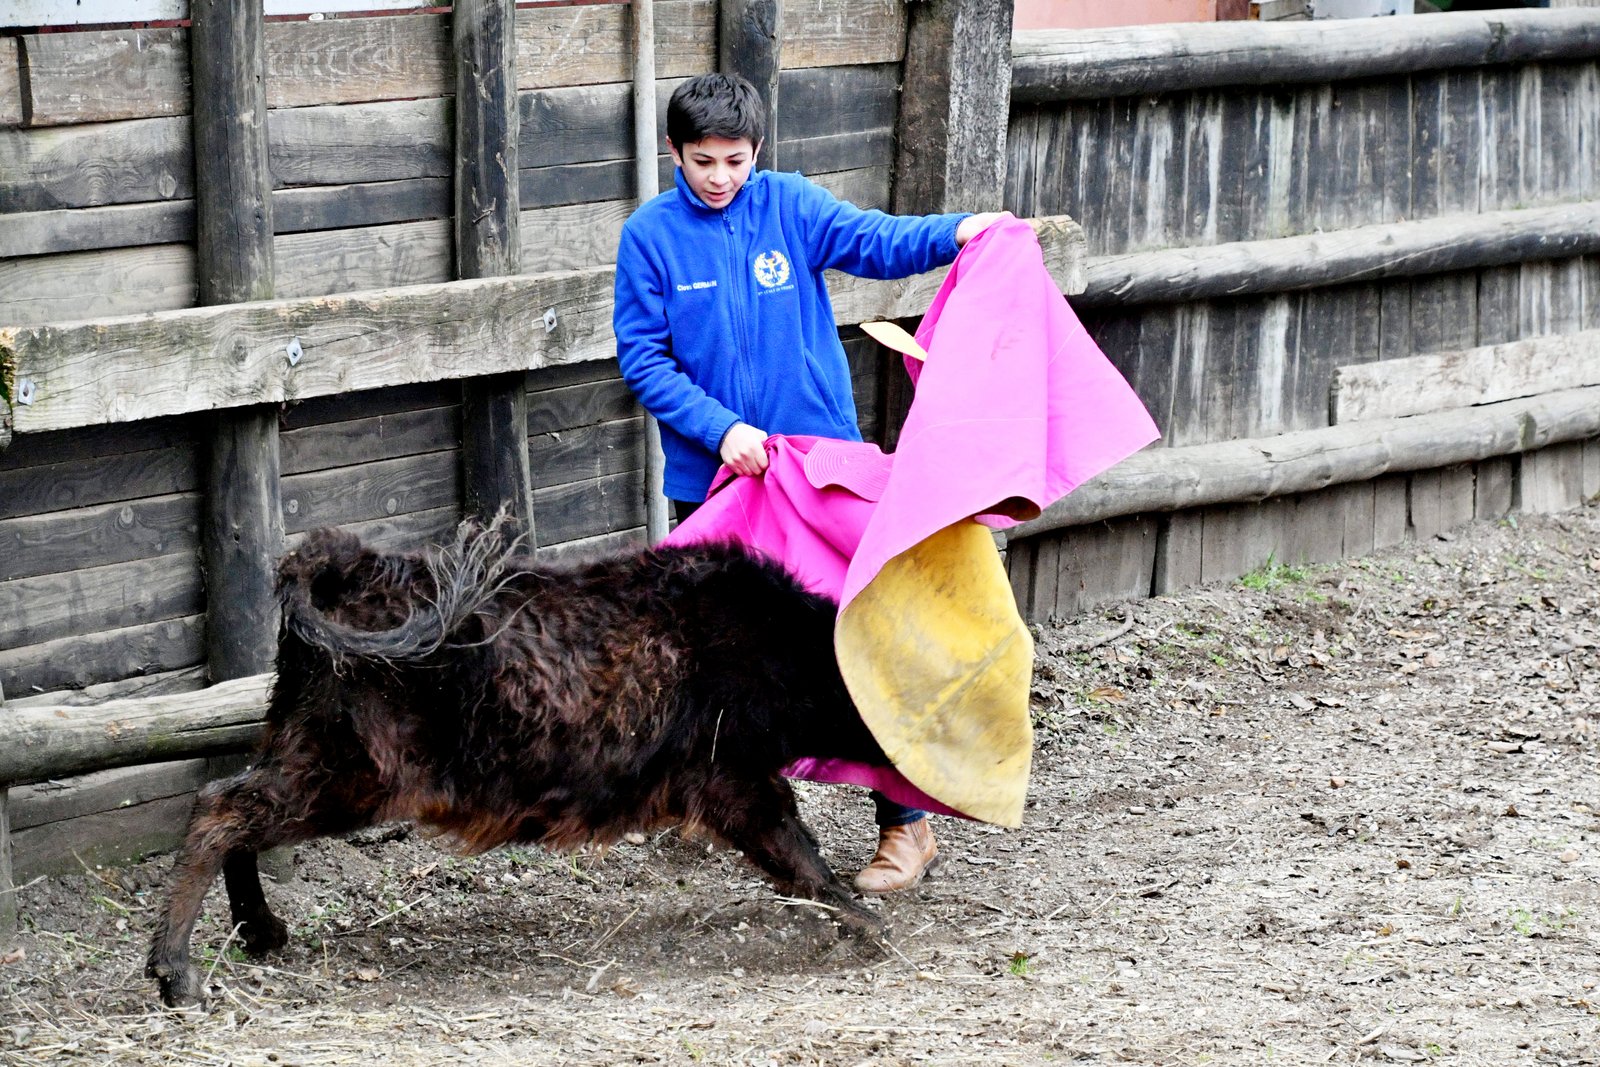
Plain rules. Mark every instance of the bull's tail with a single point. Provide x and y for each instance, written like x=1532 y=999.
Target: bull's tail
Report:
x=434 y=597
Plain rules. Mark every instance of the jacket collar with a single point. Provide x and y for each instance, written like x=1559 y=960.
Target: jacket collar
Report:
x=741 y=197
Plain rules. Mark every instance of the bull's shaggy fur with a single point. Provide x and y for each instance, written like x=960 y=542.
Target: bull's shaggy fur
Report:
x=497 y=701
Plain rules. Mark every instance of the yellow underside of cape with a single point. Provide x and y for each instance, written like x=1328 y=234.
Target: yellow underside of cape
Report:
x=939 y=664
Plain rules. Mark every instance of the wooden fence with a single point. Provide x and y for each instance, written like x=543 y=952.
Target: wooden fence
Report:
x=1274 y=211
x=113 y=488
x=1290 y=227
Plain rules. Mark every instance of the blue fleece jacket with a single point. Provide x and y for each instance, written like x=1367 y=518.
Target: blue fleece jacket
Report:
x=721 y=316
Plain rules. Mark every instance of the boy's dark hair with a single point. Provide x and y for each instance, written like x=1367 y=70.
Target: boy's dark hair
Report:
x=715 y=105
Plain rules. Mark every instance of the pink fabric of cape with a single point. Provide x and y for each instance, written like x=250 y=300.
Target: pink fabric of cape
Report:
x=1015 y=401
x=1015 y=407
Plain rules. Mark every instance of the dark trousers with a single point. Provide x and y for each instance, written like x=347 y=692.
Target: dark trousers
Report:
x=887 y=812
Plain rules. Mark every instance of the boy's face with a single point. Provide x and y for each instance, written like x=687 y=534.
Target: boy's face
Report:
x=715 y=167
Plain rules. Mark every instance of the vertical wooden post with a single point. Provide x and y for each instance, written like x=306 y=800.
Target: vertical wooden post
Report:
x=8 y=882
x=750 y=44
x=242 y=528
x=646 y=184
x=494 y=408
x=950 y=135
x=955 y=105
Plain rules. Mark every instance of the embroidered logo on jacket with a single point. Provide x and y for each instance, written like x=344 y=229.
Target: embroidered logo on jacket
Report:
x=772 y=269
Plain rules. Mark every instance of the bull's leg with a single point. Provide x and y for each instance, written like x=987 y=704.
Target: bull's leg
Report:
x=260 y=931
x=233 y=820
x=762 y=819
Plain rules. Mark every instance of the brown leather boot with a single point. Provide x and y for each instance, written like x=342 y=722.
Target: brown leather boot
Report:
x=905 y=854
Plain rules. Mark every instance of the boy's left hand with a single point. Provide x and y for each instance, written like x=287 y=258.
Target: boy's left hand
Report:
x=973 y=225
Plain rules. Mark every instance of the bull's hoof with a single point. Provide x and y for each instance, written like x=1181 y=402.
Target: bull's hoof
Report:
x=181 y=987
x=855 y=920
x=263 y=933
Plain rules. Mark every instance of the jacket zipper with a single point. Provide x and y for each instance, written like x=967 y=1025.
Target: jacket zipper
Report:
x=741 y=320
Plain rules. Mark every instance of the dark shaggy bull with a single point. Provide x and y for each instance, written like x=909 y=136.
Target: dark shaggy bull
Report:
x=498 y=701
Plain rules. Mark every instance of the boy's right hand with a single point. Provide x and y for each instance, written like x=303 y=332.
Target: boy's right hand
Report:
x=744 y=449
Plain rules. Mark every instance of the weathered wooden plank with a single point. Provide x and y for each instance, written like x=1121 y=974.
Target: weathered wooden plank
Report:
x=103 y=75
x=386 y=337
x=359 y=204
x=354 y=60
x=584 y=548
x=76 y=483
x=406 y=532
x=53 y=741
x=865 y=187
x=1140 y=60
x=1020 y=559
x=1178 y=545
x=1444 y=312
x=845 y=151
x=955 y=101
x=1105 y=562
x=124 y=281
x=95 y=536
x=91 y=794
x=1161 y=480
x=105 y=163
x=583 y=509
x=1499 y=301
x=185 y=680
x=1046 y=579
x=1362 y=253
x=89 y=443
x=837 y=33
x=553 y=409
x=110 y=654
x=1440 y=500
x=372 y=257
x=108 y=839
x=293 y=211
x=36 y=233
x=1494 y=487
x=371 y=491
x=1499 y=171
x=327 y=445
x=1591 y=470
x=11 y=105
x=574 y=237
x=1552 y=479
x=70 y=603
x=384 y=141
x=1390 y=511
x=586 y=453
x=558 y=377
x=346 y=407
x=1239 y=538
x=1465 y=377
x=584 y=45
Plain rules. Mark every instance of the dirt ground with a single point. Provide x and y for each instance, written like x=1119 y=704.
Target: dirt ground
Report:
x=1333 y=815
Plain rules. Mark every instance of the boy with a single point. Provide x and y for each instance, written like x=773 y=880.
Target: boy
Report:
x=725 y=331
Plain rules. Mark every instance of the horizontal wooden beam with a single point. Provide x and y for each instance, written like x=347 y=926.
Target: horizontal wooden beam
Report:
x=1050 y=65
x=1230 y=472
x=1359 y=254
x=46 y=741
x=1439 y=381
x=204 y=359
